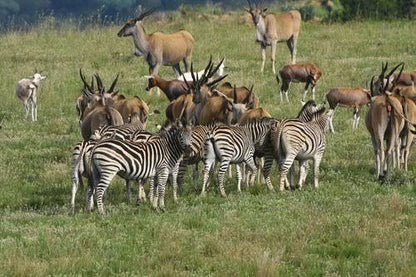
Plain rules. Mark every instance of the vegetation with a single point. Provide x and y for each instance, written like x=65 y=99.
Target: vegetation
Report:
x=350 y=225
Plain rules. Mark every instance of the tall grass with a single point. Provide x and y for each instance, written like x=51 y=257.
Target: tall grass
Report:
x=351 y=225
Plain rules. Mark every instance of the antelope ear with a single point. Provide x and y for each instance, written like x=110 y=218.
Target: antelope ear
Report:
x=264 y=10
x=389 y=93
x=247 y=10
x=302 y=103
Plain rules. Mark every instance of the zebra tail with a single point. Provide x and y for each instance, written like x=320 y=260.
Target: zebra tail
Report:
x=214 y=145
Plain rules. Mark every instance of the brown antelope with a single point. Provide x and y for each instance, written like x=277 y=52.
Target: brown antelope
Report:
x=348 y=97
x=27 y=90
x=159 y=48
x=243 y=94
x=307 y=73
x=100 y=111
x=272 y=28
x=385 y=121
x=172 y=89
x=132 y=109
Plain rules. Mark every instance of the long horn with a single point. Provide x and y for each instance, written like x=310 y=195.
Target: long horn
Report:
x=113 y=85
x=217 y=67
x=395 y=68
x=99 y=82
x=372 y=86
x=235 y=95
x=185 y=104
x=85 y=82
x=213 y=82
x=144 y=14
x=249 y=4
x=251 y=88
x=389 y=75
x=396 y=80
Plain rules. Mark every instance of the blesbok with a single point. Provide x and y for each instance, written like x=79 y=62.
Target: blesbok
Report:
x=27 y=90
x=385 y=121
x=274 y=28
x=307 y=73
x=348 y=97
x=159 y=48
x=172 y=89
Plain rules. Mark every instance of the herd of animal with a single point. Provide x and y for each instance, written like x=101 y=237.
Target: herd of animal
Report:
x=221 y=124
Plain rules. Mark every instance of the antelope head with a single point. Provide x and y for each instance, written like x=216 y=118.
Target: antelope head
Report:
x=256 y=12
x=129 y=28
x=385 y=83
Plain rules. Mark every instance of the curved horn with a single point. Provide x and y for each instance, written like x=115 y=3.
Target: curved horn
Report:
x=185 y=104
x=113 y=85
x=372 y=86
x=235 y=95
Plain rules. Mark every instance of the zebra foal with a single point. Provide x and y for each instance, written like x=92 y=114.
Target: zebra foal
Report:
x=134 y=161
x=295 y=139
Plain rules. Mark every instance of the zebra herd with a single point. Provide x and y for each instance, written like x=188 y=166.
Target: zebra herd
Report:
x=137 y=155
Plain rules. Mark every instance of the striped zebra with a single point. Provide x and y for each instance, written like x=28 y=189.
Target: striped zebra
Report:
x=82 y=151
x=294 y=139
x=234 y=144
x=306 y=114
x=199 y=136
x=137 y=161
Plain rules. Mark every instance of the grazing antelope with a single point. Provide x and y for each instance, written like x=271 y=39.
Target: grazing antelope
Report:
x=159 y=48
x=27 y=90
x=307 y=73
x=274 y=28
x=349 y=97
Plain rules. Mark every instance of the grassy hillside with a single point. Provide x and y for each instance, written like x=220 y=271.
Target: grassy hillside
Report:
x=351 y=225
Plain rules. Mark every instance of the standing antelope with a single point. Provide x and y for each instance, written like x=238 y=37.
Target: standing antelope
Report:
x=349 y=97
x=159 y=48
x=307 y=73
x=272 y=28
x=27 y=90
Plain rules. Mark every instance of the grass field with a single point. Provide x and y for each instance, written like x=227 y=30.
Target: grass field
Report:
x=351 y=226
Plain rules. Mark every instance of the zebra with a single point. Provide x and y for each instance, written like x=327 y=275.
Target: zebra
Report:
x=306 y=114
x=82 y=151
x=137 y=161
x=295 y=139
x=199 y=136
x=234 y=144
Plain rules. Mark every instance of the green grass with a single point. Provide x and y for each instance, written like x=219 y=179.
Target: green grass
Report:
x=351 y=225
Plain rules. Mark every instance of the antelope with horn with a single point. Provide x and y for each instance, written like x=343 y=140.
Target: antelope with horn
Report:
x=385 y=121
x=159 y=48
x=274 y=28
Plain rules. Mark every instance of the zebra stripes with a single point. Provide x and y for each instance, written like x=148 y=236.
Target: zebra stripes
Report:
x=234 y=144
x=137 y=161
x=295 y=139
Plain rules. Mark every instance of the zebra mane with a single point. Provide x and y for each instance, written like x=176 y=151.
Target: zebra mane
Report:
x=304 y=107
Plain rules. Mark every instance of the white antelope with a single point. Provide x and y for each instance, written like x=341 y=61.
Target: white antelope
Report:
x=27 y=90
x=274 y=28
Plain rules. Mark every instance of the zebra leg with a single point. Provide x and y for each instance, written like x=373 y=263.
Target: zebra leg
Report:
x=207 y=171
x=230 y=173
x=239 y=176
x=316 y=163
x=331 y=125
x=303 y=171
x=260 y=178
x=162 y=178
x=89 y=203
x=284 y=168
x=142 y=193
x=154 y=192
x=313 y=91
x=221 y=172
x=253 y=168
x=175 y=182
x=181 y=173
x=268 y=162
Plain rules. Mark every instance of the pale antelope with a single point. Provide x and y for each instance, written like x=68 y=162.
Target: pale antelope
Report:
x=27 y=90
x=274 y=28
